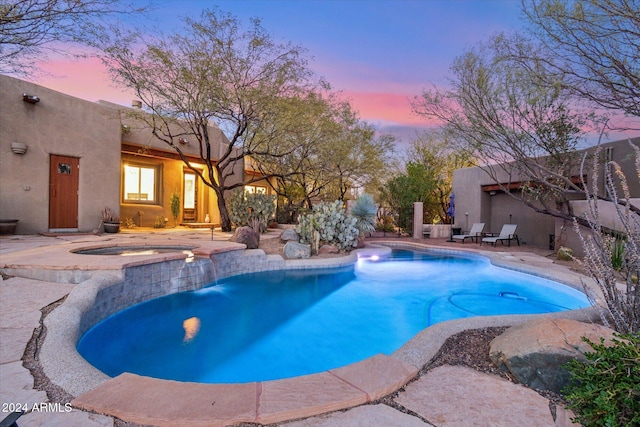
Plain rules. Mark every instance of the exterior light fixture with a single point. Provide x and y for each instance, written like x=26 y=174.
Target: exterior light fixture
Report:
x=19 y=147
x=492 y=193
x=183 y=141
x=31 y=99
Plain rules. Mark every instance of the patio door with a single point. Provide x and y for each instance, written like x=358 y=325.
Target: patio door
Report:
x=190 y=197
x=64 y=172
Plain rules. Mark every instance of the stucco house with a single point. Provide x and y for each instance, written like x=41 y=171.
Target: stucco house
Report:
x=84 y=156
x=479 y=198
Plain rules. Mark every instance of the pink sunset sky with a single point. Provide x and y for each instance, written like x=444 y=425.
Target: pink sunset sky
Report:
x=378 y=53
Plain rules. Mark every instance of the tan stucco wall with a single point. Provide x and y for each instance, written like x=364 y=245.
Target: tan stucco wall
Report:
x=172 y=170
x=58 y=124
x=534 y=228
x=496 y=210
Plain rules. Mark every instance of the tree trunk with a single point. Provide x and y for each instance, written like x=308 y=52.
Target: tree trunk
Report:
x=225 y=221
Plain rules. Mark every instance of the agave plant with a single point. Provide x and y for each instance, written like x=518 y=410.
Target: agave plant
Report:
x=365 y=211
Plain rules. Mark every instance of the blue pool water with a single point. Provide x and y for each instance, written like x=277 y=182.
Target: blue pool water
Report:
x=272 y=325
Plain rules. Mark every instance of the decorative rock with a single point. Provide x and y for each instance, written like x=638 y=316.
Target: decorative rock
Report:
x=455 y=396
x=289 y=235
x=247 y=236
x=565 y=254
x=296 y=250
x=328 y=249
x=534 y=352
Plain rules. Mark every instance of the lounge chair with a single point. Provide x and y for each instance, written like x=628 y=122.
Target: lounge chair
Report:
x=507 y=233
x=474 y=233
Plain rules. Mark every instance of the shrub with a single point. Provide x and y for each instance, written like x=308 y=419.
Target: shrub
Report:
x=617 y=254
x=252 y=209
x=605 y=390
x=386 y=224
x=128 y=223
x=328 y=223
x=175 y=207
x=613 y=258
x=159 y=222
x=364 y=210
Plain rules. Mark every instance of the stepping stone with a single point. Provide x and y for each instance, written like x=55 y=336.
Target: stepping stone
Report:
x=361 y=416
x=459 y=396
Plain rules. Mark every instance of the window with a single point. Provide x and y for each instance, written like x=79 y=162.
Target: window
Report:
x=140 y=184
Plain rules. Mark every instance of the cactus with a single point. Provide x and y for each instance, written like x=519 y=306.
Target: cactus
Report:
x=251 y=209
x=328 y=223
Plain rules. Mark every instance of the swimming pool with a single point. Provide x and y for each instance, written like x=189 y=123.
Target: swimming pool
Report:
x=280 y=324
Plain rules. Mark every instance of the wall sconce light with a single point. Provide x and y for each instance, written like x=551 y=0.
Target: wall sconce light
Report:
x=19 y=147
x=31 y=99
x=183 y=141
x=126 y=129
x=492 y=193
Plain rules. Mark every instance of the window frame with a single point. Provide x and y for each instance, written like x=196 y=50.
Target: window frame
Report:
x=157 y=171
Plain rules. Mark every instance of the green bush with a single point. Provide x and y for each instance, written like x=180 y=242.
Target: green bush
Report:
x=250 y=208
x=364 y=210
x=617 y=254
x=605 y=390
x=328 y=223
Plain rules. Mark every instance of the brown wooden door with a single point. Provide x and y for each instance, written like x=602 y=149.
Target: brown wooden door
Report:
x=64 y=175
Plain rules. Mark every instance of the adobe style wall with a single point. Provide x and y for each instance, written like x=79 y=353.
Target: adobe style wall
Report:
x=498 y=208
x=63 y=125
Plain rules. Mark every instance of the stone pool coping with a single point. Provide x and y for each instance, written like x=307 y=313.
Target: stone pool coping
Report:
x=161 y=402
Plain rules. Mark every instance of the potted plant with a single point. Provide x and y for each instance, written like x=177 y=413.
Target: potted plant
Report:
x=110 y=222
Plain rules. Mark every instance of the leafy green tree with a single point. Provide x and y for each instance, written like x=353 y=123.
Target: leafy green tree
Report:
x=416 y=184
x=212 y=70
x=432 y=150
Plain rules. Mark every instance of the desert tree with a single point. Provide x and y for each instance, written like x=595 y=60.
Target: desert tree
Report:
x=212 y=71
x=522 y=131
x=329 y=151
x=595 y=45
x=30 y=29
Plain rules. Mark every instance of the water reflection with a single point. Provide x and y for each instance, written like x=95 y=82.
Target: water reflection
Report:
x=191 y=328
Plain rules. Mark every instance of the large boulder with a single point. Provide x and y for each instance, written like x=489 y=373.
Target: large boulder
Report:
x=295 y=250
x=289 y=235
x=246 y=235
x=535 y=352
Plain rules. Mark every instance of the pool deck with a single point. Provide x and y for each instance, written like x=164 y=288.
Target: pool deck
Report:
x=348 y=396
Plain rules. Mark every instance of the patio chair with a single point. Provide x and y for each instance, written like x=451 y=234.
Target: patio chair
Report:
x=474 y=233
x=507 y=233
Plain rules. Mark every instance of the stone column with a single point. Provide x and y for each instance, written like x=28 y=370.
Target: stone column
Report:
x=417 y=220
